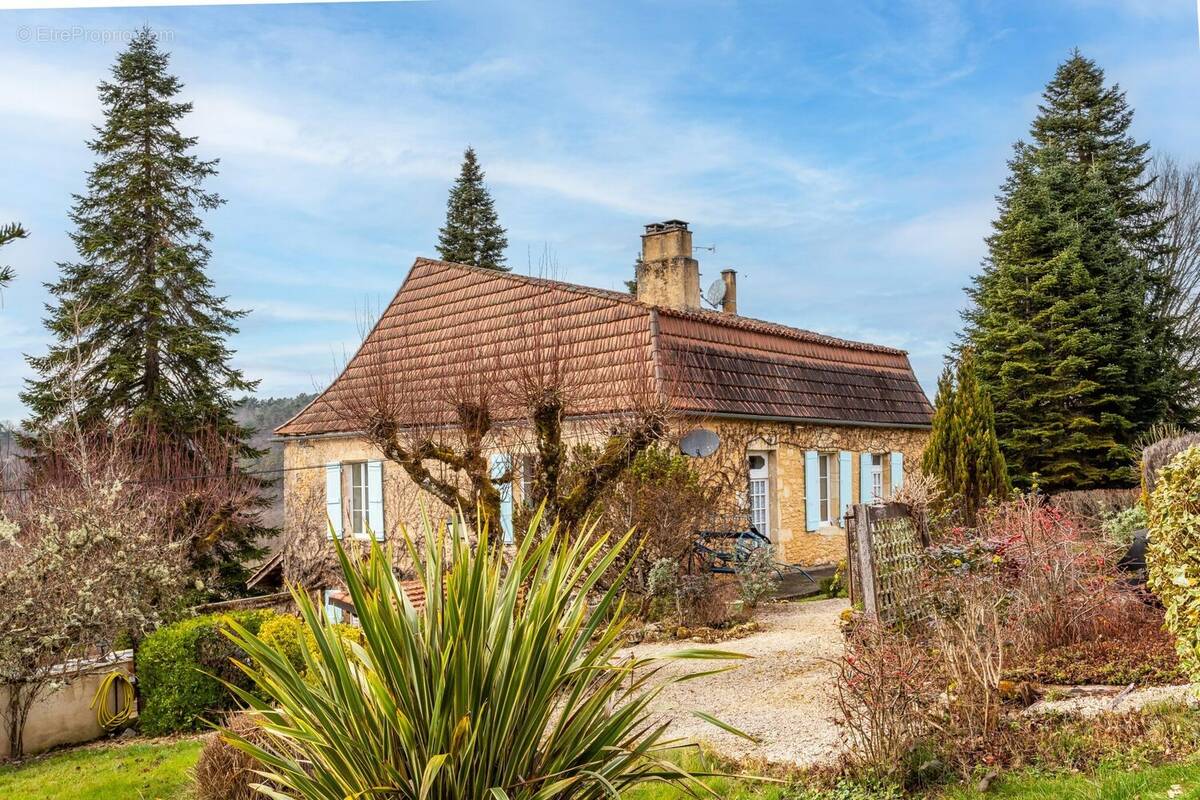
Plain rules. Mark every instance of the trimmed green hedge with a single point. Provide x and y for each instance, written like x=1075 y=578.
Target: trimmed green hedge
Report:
x=178 y=667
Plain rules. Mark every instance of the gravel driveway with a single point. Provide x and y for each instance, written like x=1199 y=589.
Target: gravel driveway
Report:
x=780 y=696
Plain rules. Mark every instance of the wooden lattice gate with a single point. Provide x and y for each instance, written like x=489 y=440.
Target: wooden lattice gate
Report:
x=883 y=558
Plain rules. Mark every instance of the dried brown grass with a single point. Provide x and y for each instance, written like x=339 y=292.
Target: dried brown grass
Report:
x=225 y=772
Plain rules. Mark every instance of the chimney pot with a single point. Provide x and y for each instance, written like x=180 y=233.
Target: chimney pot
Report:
x=729 y=303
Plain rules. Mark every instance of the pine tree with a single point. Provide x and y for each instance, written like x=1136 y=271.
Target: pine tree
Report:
x=472 y=233
x=139 y=334
x=963 y=452
x=1064 y=324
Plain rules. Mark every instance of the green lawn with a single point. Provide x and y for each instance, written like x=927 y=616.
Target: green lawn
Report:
x=154 y=770
x=726 y=789
x=1171 y=782
x=160 y=770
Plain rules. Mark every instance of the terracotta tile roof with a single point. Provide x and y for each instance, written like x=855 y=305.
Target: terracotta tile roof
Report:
x=414 y=590
x=449 y=324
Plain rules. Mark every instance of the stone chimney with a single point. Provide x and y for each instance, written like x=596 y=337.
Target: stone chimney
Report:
x=667 y=275
x=729 y=304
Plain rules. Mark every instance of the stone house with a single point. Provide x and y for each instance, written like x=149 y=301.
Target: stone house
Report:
x=806 y=423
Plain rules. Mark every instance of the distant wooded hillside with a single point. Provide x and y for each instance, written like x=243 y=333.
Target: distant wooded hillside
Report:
x=264 y=415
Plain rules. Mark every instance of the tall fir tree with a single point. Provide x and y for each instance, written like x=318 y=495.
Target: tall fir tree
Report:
x=138 y=332
x=137 y=309
x=1066 y=327
x=963 y=452
x=472 y=233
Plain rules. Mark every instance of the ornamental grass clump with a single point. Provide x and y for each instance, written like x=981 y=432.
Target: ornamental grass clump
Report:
x=507 y=685
x=1173 y=553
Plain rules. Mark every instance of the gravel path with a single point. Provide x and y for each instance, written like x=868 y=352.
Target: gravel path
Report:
x=781 y=695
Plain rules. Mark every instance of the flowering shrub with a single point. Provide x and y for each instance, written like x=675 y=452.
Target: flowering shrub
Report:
x=1173 y=552
x=81 y=564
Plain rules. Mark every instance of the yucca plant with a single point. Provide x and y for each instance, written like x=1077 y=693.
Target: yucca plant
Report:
x=507 y=685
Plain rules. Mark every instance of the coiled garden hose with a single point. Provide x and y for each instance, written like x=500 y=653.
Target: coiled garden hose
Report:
x=126 y=702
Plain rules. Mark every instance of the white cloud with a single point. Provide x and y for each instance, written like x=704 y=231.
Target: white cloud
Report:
x=951 y=238
x=285 y=311
x=634 y=160
x=47 y=91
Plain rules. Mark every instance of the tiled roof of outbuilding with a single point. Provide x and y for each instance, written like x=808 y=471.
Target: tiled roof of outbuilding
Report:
x=449 y=322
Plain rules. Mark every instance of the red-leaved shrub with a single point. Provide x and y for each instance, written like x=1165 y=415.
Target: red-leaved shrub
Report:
x=1062 y=577
x=886 y=687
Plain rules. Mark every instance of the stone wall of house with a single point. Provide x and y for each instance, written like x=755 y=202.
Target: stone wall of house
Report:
x=785 y=444
x=308 y=558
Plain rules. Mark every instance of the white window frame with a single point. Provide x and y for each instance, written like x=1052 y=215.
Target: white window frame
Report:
x=357 y=515
x=759 y=493
x=825 y=483
x=528 y=466
x=877 y=486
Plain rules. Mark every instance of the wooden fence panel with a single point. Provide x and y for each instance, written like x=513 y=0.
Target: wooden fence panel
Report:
x=883 y=556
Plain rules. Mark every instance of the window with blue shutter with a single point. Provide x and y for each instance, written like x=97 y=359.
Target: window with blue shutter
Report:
x=500 y=465
x=333 y=613
x=333 y=498
x=865 y=490
x=375 y=499
x=812 y=491
x=845 y=482
x=897 y=472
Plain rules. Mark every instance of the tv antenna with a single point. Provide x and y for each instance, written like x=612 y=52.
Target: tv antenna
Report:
x=712 y=248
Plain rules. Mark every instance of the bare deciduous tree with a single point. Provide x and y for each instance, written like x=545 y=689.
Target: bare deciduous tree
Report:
x=1176 y=191
x=531 y=404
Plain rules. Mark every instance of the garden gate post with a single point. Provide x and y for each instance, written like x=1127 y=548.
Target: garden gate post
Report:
x=865 y=560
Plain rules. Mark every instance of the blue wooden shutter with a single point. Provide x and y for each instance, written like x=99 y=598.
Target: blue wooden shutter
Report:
x=333 y=498
x=864 y=478
x=500 y=465
x=897 y=472
x=332 y=613
x=845 y=480
x=812 y=491
x=375 y=499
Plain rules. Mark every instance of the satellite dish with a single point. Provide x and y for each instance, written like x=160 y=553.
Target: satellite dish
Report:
x=714 y=295
x=699 y=443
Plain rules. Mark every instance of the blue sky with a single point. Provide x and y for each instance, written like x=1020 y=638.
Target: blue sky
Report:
x=843 y=157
